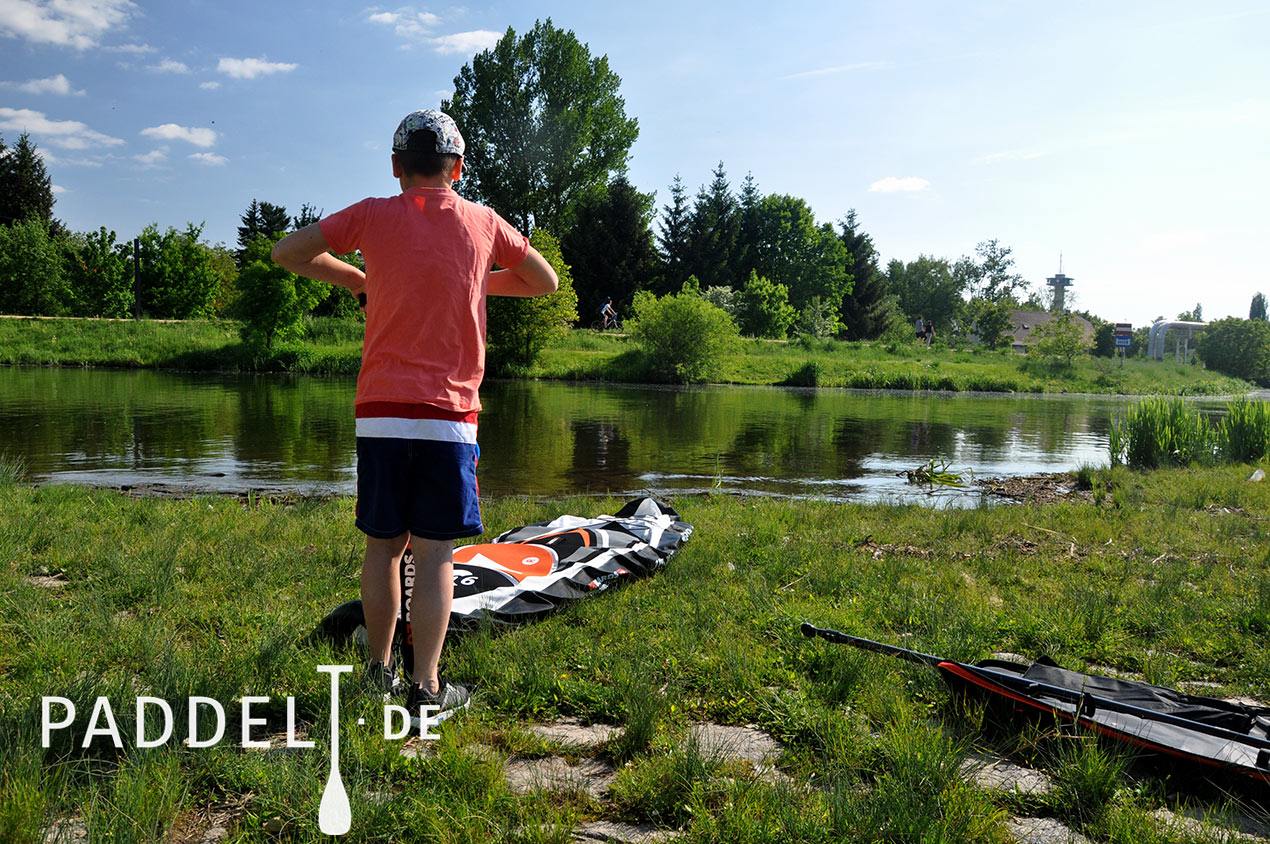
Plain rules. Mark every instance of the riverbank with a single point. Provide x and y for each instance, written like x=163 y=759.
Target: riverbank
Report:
x=334 y=347
x=1155 y=576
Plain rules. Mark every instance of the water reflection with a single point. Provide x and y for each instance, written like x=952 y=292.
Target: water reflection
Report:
x=234 y=432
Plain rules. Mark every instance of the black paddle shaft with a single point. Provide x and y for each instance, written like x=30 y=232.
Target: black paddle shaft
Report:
x=1085 y=702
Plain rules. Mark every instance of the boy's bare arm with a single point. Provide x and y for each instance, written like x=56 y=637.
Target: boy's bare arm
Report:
x=306 y=252
x=531 y=277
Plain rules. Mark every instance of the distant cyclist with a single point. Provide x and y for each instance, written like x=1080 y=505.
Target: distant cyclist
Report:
x=608 y=316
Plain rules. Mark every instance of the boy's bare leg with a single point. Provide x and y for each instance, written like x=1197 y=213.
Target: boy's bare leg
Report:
x=381 y=592
x=430 y=606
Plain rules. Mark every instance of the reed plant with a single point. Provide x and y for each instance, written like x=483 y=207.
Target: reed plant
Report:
x=1243 y=435
x=1159 y=432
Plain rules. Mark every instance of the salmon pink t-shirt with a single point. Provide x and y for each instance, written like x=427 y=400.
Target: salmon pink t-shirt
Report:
x=428 y=254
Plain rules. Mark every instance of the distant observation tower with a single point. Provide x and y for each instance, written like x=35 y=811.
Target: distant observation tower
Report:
x=1060 y=283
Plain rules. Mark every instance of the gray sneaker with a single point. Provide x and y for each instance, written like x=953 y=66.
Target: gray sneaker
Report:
x=450 y=699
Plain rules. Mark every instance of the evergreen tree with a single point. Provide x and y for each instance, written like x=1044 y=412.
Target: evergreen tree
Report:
x=713 y=233
x=307 y=216
x=26 y=190
x=749 y=230
x=672 y=238
x=261 y=218
x=864 y=311
x=610 y=247
x=1258 y=309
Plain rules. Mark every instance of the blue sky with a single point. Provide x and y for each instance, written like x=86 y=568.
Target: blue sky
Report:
x=1130 y=137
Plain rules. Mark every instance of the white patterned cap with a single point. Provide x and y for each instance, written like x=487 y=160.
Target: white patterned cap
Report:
x=441 y=124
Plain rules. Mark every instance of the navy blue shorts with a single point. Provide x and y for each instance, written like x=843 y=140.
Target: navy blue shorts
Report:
x=426 y=487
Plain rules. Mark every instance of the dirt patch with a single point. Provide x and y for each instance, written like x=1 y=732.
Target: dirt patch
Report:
x=1036 y=489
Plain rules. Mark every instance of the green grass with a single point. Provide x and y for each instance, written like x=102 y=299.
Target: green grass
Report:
x=1165 y=575
x=330 y=346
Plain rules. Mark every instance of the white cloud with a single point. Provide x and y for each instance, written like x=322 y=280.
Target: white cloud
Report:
x=416 y=26
x=468 y=43
x=153 y=158
x=209 y=86
x=67 y=134
x=892 y=185
x=251 y=68
x=52 y=85
x=842 y=68
x=211 y=159
x=67 y=23
x=170 y=66
x=59 y=189
x=173 y=132
x=137 y=49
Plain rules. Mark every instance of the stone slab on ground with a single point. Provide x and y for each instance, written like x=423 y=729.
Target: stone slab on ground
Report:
x=993 y=773
x=67 y=831
x=622 y=832
x=554 y=773
x=748 y=743
x=571 y=732
x=1043 y=831
x=1236 y=827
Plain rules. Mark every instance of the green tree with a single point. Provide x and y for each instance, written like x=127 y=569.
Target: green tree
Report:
x=926 y=287
x=261 y=218
x=993 y=320
x=683 y=337
x=178 y=274
x=26 y=189
x=32 y=280
x=990 y=277
x=544 y=126
x=792 y=250
x=1237 y=347
x=818 y=319
x=609 y=250
x=272 y=300
x=99 y=274
x=518 y=329
x=1061 y=338
x=1196 y=315
x=863 y=311
x=764 y=309
x=673 y=239
x=713 y=230
x=1258 y=308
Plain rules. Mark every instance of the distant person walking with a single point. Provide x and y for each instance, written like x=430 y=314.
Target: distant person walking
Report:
x=919 y=327
x=929 y=333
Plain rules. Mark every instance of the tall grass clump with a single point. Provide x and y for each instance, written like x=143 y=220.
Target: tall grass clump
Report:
x=1158 y=432
x=1243 y=435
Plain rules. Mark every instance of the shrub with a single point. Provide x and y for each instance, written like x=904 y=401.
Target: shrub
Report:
x=818 y=319
x=1060 y=338
x=518 y=329
x=1237 y=347
x=764 y=308
x=724 y=298
x=272 y=300
x=99 y=274
x=683 y=337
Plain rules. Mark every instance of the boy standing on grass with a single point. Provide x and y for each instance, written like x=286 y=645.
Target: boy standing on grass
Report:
x=429 y=255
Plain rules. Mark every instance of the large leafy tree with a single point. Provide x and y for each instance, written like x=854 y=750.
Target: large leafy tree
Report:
x=26 y=189
x=1238 y=347
x=928 y=288
x=610 y=248
x=99 y=274
x=991 y=277
x=791 y=249
x=1258 y=308
x=31 y=277
x=178 y=277
x=544 y=126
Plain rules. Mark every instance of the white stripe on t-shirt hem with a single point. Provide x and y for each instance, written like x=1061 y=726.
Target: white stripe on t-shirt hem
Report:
x=391 y=427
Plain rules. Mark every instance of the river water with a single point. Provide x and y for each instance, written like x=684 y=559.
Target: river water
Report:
x=295 y=433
